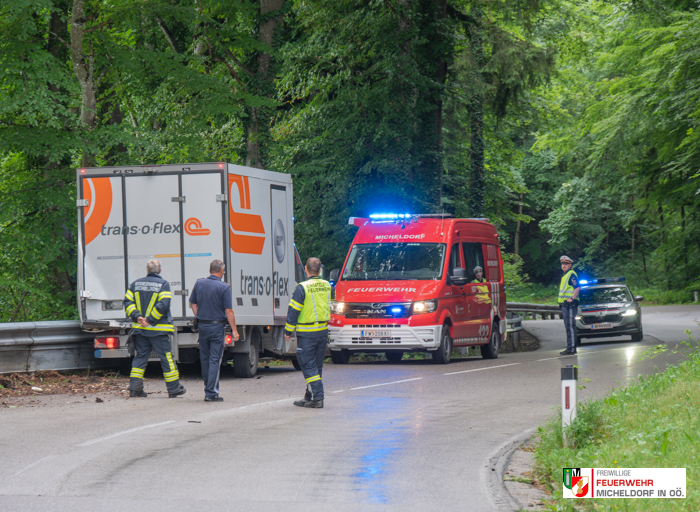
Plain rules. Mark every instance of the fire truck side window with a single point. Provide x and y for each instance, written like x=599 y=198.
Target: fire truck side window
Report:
x=473 y=257
x=454 y=259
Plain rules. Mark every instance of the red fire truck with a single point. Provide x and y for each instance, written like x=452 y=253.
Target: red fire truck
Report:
x=409 y=284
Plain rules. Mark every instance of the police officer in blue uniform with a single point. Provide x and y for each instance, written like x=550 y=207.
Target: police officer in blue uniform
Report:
x=148 y=305
x=569 y=289
x=212 y=304
x=309 y=313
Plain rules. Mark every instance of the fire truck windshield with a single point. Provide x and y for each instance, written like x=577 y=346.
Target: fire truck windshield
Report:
x=395 y=261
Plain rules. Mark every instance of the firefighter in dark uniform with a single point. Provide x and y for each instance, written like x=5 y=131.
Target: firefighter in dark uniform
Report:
x=309 y=312
x=569 y=288
x=148 y=305
x=212 y=304
x=479 y=273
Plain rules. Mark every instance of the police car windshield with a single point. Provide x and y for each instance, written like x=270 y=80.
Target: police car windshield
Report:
x=604 y=295
x=394 y=261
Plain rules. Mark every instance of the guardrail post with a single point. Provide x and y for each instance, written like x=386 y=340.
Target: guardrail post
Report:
x=569 y=400
x=695 y=293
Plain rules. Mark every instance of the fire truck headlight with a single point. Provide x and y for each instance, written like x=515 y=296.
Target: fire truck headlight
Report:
x=424 y=306
x=337 y=308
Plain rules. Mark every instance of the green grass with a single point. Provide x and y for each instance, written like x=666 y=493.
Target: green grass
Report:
x=653 y=423
x=532 y=293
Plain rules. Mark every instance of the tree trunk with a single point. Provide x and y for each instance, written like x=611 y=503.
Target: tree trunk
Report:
x=83 y=67
x=634 y=228
x=258 y=117
x=517 y=229
x=476 y=113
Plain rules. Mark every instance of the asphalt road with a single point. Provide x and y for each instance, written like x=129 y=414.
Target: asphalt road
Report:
x=392 y=437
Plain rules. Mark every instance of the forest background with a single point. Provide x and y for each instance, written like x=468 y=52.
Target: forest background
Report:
x=571 y=125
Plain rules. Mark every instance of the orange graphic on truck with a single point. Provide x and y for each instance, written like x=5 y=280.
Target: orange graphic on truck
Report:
x=98 y=192
x=244 y=222
x=193 y=227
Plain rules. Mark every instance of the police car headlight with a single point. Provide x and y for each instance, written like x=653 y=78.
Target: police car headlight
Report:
x=424 y=306
x=630 y=312
x=578 y=317
x=337 y=308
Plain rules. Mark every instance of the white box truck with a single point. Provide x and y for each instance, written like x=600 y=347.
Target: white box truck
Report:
x=187 y=215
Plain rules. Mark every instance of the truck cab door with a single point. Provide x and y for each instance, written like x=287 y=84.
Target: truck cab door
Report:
x=456 y=300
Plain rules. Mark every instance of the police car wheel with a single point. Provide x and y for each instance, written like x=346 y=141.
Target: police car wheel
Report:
x=490 y=350
x=340 y=356
x=638 y=336
x=578 y=341
x=444 y=352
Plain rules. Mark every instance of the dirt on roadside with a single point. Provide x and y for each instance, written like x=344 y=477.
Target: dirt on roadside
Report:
x=51 y=382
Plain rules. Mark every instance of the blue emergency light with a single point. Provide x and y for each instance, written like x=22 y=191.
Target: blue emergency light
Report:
x=396 y=310
x=603 y=280
x=389 y=216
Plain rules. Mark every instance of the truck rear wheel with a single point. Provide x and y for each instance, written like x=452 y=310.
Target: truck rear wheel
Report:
x=490 y=351
x=245 y=366
x=340 y=356
x=394 y=355
x=444 y=352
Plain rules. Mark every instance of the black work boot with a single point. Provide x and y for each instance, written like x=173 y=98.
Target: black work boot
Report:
x=177 y=392
x=567 y=353
x=314 y=404
x=302 y=402
x=141 y=393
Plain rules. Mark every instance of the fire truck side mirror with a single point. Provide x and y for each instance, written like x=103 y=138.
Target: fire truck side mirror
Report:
x=459 y=276
x=335 y=274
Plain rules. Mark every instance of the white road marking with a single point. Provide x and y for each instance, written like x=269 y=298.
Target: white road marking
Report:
x=123 y=432
x=558 y=357
x=231 y=409
x=33 y=464
x=479 y=369
x=375 y=385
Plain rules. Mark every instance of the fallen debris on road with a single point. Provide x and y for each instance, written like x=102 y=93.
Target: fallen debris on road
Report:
x=52 y=383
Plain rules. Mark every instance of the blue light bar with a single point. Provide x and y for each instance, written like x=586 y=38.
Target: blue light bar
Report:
x=603 y=280
x=389 y=216
x=583 y=281
x=396 y=310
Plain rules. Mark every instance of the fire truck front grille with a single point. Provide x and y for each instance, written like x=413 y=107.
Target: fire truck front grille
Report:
x=378 y=310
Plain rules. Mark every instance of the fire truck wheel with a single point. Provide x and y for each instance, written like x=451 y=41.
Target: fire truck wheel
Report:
x=444 y=352
x=125 y=367
x=490 y=351
x=394 y=355
x=340 y=356
x=296 y=364
x=245 y=366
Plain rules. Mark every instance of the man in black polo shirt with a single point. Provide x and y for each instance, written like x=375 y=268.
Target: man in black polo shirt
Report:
x=212 y=305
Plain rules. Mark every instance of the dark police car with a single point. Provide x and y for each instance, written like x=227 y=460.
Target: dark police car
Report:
x=607 y=309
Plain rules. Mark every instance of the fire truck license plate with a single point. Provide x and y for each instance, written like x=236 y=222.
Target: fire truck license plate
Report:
x=606 y=325
x=375 y=334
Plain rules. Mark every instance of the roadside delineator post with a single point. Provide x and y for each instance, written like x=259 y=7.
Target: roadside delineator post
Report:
x=569 y=401
x=695 y=293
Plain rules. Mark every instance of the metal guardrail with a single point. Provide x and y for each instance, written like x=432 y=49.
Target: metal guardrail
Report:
x=544 y=310
x=32 y=346
x=63 y=345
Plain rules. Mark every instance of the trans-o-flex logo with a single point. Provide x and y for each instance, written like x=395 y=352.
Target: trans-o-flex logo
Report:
x=193 y=227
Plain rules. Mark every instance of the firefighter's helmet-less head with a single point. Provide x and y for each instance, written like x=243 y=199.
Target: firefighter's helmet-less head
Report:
x=565 y=259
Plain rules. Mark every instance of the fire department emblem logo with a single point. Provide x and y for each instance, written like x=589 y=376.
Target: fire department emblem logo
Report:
x=576 y=483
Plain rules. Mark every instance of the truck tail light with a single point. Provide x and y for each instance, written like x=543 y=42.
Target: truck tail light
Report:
x=111 y=342
x=228 y=339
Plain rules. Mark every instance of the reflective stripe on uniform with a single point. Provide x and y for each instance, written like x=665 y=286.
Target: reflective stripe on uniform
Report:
x=289 y=327
x=155 y=314
x=129 y=295
x=312 y=327
x=171 y=376
x=313 y=379
x=165 y=295
x=294 y=304
x=130 y=309
x=157 y=327
x=151 y=303
x=137 y=296
x=137 y=373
